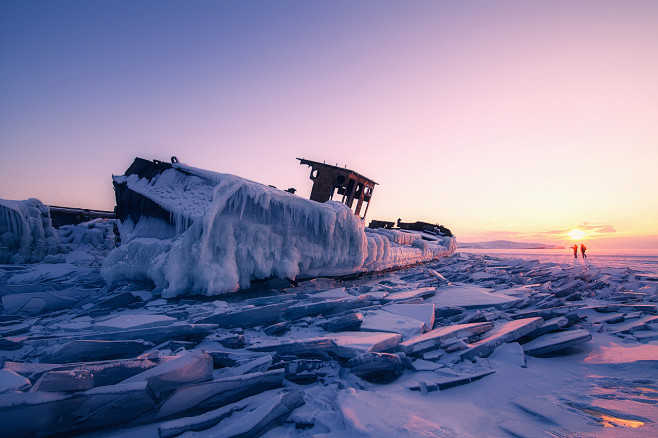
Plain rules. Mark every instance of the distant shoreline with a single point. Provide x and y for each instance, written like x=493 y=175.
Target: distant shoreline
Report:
x=506 y=244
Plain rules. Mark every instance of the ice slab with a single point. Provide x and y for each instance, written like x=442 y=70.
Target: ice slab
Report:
x=14 y=329
x=62 y=381
x=46 y=272
x=350 y=344
x=249 y=317
x=156 y=335
x=277 y=329
x=433 y=339
x=94 y=350
x=471 y=297
x=421 y=312
x=191 y=367
x=327 y=307
x=437 y=383
x=376 y=367
x=313 y=347
x=306 y=371
x=255 y=419
x=518 y=292
x=133 y=322
x=233 y=358
x=351 y=321
x=173 y=428
x=383 y=321
x=11 y=381
x=117 y=301
x=556 y=342
x=551 y=325
x=255 y=366
x=338 y=292
x=423 y=292
x=642 y=307
x=215 y=393
x=505 y=332
x=631 y=325
x=425 y=365
x=35 y=303
x=39 y=414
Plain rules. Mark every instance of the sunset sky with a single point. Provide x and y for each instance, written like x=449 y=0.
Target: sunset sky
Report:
x=508 y=120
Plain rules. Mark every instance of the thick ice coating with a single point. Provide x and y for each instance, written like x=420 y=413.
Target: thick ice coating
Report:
x=26 y=232
x=224 y=231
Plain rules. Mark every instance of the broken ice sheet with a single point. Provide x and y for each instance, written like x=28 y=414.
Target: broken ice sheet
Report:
x=249 y=418
x=350 y=344
x=351 y=321
x=376 y=367
x=255 y=366
x=554 y=342
x=433 y=339
x=35 y=303
x=62 y=381
x=11 y=381
x=133 y=321
x=41 y=414
x=191 y=367
x=472 y=297
x=421 y=312
x=331 y=293
x=504 y=332
x=383 y=321
x=215 y=393
x=405 y=295
x=429 y=384
x=156 y=335
x=93 y=350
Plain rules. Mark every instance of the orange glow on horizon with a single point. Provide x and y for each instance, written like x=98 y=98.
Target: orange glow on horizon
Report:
x=576 y=234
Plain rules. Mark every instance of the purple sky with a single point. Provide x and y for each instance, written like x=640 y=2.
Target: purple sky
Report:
x=499 y=119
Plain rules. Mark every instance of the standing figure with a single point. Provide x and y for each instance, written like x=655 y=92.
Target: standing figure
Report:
x=575 y=251
x=583 y=248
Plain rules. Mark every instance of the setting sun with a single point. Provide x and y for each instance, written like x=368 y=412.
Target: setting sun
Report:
x=576 y=234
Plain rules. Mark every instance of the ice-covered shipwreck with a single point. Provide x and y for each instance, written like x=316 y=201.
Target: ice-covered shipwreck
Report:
x=190 y=230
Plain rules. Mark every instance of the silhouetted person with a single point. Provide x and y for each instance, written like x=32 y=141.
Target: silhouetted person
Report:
x=583 y=248
x=575 y=251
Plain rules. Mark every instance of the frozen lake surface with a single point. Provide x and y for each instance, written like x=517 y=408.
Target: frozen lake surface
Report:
x=523 y=343
x=643 y=260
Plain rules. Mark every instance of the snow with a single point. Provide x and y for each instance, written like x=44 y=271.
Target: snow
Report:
x=618 y=354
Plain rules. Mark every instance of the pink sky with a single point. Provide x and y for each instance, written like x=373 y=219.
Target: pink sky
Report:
x=501 y=120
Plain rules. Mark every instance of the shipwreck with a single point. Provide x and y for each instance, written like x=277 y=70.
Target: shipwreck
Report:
x=190 y=230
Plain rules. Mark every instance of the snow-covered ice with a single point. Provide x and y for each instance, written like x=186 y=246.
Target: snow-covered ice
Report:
x=223 y=232
x=126 y=361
